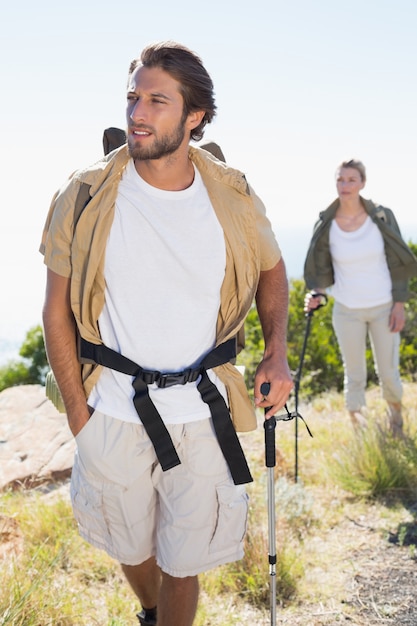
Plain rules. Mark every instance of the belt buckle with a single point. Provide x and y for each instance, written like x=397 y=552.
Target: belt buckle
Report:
x=169 y=380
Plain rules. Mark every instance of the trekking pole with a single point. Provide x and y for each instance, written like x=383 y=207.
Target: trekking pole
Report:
x=309 y=316
x=270 y=461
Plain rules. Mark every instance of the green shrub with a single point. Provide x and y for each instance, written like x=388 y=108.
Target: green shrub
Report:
x=32 y=369
x=375 y=465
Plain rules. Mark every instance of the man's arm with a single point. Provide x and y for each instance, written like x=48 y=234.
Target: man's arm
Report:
x=61 y=347
x=272 y=305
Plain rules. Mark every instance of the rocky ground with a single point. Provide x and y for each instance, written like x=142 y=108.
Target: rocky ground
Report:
x=36 y=444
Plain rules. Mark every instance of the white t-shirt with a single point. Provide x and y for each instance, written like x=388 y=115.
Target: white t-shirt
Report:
x=362 y=278
x=164 y=267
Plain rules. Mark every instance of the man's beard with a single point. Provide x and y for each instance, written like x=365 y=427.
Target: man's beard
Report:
x=163 y=146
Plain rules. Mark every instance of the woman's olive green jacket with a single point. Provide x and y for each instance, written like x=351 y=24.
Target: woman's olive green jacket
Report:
x=402 y=264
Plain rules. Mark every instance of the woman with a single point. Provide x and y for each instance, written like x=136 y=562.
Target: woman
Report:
x=357 y=250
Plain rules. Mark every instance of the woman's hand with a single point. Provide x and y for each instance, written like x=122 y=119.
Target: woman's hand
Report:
x=314 y=300
x=397 y=317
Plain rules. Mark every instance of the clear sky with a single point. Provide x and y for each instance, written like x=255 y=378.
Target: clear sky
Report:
x=300 y=86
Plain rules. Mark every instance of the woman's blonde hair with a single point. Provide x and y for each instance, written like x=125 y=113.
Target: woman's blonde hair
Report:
x=356 y=165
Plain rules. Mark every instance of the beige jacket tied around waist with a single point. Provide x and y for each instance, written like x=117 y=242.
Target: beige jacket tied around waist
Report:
x=79 y=253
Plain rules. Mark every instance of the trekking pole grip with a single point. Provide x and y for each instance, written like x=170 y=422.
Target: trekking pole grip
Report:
x=269 y=426
x=270 y=457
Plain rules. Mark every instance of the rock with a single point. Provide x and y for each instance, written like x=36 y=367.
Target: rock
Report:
x=36 y=444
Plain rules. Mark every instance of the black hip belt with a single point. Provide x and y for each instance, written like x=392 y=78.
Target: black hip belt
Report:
x=152 y=421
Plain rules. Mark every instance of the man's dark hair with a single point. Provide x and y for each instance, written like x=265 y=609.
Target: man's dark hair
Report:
x=187 y=68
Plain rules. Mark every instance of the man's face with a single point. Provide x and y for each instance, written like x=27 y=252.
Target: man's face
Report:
x=156 y=125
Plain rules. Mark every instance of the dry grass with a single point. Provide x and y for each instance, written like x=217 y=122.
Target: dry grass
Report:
x=341 y=558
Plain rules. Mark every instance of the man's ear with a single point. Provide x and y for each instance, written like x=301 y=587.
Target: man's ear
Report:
x=194 y=118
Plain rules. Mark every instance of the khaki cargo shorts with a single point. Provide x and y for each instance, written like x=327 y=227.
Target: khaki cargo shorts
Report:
x=191 y=518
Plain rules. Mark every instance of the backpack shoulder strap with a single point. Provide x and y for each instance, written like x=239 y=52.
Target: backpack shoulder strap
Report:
x=83 y=198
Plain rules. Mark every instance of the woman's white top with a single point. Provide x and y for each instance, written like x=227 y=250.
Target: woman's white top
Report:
x=362 y=278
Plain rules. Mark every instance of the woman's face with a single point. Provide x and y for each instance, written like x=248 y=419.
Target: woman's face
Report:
x=349 y=183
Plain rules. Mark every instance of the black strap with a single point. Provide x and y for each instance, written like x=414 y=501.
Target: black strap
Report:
x=152 y=421
x=225 y=432
x=154 y=426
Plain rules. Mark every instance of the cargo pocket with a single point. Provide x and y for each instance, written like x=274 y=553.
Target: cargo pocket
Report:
x=87 y=504
x=232 y=514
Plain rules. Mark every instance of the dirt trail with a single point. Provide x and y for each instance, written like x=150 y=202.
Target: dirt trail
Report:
x=364 y=577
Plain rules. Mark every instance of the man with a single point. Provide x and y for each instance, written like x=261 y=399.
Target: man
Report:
x=156 y=276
